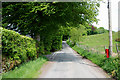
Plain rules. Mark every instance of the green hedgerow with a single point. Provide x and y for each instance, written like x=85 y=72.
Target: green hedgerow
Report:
x=16 y=49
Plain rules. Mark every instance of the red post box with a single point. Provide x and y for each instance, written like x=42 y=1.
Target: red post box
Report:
x=107 y=53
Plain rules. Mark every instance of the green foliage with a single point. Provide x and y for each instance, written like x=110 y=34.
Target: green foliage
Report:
x=92 y=30
x=66 y=31
x=26 y=70
x=69 y=43
x=18 y=48
x=110 y=65
x=34 y=17
x=57 y=42
x=77 y=33
x=57 y=39
x=101 y=30
x=48 y=44
x=45 y=19
x=40 y=47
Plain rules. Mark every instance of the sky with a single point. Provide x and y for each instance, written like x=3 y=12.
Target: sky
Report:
x=103 y=15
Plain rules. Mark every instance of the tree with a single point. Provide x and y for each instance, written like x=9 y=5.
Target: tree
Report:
x=101 y=30
x=76 y=33
x=42 y=20
x=32 y=17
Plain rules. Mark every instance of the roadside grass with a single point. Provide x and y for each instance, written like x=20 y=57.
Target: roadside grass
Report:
x=110 y=65
x=0 y=76
x=98 y=41
x=26 y=70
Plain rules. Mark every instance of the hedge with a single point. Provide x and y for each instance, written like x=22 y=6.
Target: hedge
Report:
x=57 y=41
x=110 y=65
x=16 y=49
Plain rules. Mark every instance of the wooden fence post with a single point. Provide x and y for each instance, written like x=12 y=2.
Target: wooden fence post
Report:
x=117 y=49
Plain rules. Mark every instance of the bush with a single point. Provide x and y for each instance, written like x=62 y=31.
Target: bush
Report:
x=76 y=34
x=47 y=44
x=16 y=49
x=57 y=42
x=66 y=31
x=70 y=43
x=51 y=41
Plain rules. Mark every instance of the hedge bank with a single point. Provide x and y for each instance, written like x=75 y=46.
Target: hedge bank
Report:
x=110 y=65
x=16 y=49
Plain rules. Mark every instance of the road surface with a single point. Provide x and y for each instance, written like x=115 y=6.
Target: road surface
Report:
x=68 y=64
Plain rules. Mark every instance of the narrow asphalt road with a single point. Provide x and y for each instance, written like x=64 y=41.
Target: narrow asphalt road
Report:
x=68 y=64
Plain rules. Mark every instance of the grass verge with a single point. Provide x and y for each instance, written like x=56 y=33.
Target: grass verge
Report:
x=26 y=70
x=110 y=65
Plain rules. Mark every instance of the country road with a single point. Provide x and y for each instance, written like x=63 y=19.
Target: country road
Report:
x=66 y=63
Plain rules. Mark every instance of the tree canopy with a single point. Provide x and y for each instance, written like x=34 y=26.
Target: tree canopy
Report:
x=36 y=17
x=47 y=22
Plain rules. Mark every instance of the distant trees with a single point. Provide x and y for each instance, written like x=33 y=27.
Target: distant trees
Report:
x=91 y=30
x=66 y=32
x=76 y=33
x=101 y=30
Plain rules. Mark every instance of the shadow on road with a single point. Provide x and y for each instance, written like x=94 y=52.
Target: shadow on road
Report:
x=67 y=55
x=66 y=63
